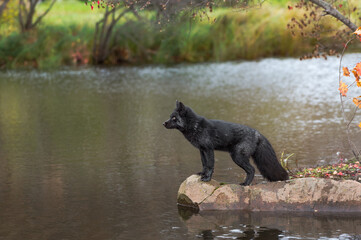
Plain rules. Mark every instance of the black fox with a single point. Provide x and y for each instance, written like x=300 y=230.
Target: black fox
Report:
x=242 y=142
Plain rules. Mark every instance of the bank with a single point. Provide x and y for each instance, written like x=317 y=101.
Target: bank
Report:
x=65 y=38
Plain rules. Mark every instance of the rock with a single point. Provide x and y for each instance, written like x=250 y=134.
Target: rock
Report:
x=358 y=177
x=193 y=191
x=302 y=194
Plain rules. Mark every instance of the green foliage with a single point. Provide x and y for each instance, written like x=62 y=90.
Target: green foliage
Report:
x=47 y=47
x=65 y=37
x=8 y=20
x=285 y=160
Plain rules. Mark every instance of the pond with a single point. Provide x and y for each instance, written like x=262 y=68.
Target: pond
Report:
x=84 y=155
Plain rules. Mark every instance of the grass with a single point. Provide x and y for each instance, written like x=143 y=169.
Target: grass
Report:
x=70 y=12
x=65 y=37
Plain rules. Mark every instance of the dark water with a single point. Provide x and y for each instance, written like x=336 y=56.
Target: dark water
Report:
x=84 y=155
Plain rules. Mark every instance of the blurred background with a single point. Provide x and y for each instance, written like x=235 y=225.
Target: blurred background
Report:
x=53 y=33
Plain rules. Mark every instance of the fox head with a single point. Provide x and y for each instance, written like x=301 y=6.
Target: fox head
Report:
x=177 y=118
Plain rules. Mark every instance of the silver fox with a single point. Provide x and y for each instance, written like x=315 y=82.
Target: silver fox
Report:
x=242 y=142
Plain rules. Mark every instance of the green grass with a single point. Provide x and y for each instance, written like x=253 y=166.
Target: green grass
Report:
x=65 y=37
x=71 y=12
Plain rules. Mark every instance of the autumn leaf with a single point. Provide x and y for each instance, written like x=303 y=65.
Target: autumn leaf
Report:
x=358 y=82
x=357 y=102
x=359 y=125
x=354 y=71
x=346 y=72
x=358 y=68
x=343 y=88
x=358 y=31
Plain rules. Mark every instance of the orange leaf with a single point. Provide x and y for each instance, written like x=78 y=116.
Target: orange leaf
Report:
x=355 y=74
x=343 y=88
x=358 y=82
x=359 y=125
x=358 y=68
x=358 y=31
x=346 y=72
x=357 y=102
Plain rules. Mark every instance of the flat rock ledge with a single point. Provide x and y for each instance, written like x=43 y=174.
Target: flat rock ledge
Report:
x=302 y=194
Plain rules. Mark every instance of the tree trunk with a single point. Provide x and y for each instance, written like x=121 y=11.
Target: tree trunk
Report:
x=27 y=12
x=102 y=37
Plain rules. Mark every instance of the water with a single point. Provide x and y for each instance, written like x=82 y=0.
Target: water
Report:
x=84 y=155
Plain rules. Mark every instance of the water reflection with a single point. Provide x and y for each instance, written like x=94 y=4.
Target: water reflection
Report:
x=270 y=225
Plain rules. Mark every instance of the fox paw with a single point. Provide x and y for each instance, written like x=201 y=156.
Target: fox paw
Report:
x=205 y=179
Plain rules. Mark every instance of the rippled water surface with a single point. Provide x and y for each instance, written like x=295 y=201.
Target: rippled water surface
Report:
x=84 y=155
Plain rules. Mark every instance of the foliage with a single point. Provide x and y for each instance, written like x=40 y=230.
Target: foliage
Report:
x=344 y=87
x=8 y=21
x=235 y=35
x=285 y=160
x=46 y=48
x=338 y=171
x=314 y=11
x=313 y=23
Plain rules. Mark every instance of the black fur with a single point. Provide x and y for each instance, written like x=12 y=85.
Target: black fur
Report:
x=242 y=142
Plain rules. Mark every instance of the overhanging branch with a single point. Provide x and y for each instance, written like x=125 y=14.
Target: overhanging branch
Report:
x=335 y=13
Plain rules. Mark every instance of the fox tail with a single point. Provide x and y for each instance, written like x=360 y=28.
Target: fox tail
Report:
x=267 y=163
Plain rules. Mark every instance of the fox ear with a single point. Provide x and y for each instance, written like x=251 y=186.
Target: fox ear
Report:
x=180 y=106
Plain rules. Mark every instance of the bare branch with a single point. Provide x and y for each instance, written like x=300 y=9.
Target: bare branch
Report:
x=21 y=20
x=27 y=11
x=102 y=37
x=328 y=9
x=42 y=15
x=354 y=149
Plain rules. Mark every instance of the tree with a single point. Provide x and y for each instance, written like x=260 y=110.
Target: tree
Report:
x=3 y=6
x=103 y=31
x=115 y=10
x=328 y=41
x=27 y=9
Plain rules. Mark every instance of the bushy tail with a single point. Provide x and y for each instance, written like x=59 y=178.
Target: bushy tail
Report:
x=267 y=163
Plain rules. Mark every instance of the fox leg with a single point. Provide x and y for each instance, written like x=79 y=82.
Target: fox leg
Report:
x=207 y=157
x=204 y=164
x=241 y=158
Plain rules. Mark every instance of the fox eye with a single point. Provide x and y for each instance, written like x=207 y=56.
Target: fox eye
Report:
x=174 y=118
